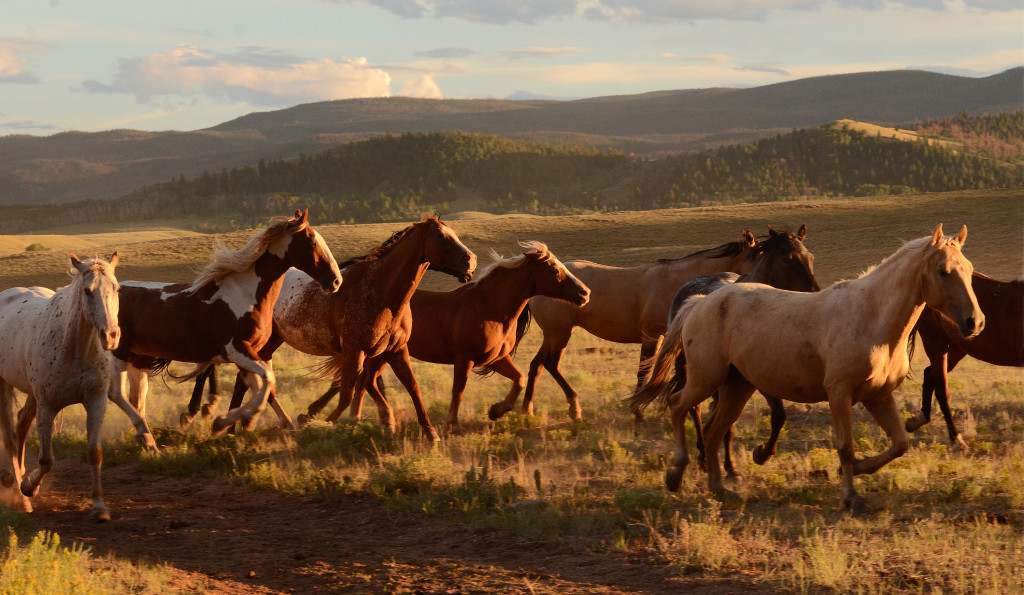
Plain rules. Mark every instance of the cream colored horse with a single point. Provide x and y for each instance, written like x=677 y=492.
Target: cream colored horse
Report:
x=53 y=348
x=844 y=345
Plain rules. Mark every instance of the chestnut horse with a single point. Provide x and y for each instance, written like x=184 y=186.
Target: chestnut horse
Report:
x=53 y=348
x=225 y=315
x=846 y=344
x=627 y=305
x=1001 y=343
x=368 y=322
x=480 y=324
x=784 y=264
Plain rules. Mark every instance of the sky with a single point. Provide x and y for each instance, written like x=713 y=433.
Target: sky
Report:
x=94 y=65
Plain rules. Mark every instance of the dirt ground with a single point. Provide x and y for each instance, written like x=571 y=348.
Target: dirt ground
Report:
x=225 y=538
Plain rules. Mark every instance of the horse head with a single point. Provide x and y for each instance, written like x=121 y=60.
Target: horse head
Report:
x=946 y=282
x=785 y=262
x=307 y=251
x=99 y=297
x=551 y=278
x=444 y=251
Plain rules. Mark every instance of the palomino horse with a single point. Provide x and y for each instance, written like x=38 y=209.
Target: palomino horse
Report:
x=53 y=349
x=844 y=345
x=225 y=315
x=627 y=305
x=1001 y=343
x=784 y=264
x=480 y=324
x=368 y=320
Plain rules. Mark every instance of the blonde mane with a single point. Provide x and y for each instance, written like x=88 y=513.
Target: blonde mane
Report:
x=514 y=262
x=226 y=261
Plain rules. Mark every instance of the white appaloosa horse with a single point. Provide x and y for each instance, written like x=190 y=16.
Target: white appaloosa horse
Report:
x=53 y=348
x=844 y=345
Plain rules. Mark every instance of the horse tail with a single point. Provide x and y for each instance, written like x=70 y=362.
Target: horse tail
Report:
x=7 y=403
x=662 y=379
x=911 y=343
x=522 y=325
x=328 y=369
x=162 y=366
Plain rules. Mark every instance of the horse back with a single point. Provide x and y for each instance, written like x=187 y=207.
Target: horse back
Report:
x=171 y=323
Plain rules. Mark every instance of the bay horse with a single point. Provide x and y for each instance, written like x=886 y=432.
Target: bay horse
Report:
x=225 y=315
x=368 y=322
x=846 y=344
x=1000 y=343
x=627 y=305
x=54 y=349
x=785 y=263
x=479 y=325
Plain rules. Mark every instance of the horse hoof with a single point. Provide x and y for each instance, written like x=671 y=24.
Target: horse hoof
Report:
x=248 y=423
x=915 y=422
x=27 y=489
x=761 y=454
x=185 y=419
x=856 y=505
x=219 y=426
x=100 y=515
x=7 y=479
x=207 y=410
x=960 y=445
x=147 y=442
x=303 y=420
x=433 y=436
x=575 y=413
x=497 y=410
x=673 y=478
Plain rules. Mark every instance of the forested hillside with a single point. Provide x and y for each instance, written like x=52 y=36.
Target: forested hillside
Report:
x=999 y=136
x=400 y=177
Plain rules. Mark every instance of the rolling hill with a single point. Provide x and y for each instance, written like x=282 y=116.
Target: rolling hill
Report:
x=74 y=166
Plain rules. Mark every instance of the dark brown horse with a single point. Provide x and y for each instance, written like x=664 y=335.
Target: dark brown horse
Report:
x=785 y=264
x=627 y=305
x=225 y=315
x=479 y=325
x=1000 y=343
x=368 y=322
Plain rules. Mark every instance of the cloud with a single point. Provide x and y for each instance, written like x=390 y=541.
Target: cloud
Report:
x=541 y=52
x=424 y=87
x=702 y=58
x=446 y=53
x=500 y=12
x=26 y=125
x=763 y=67
x=14 y=56
x=253 y=75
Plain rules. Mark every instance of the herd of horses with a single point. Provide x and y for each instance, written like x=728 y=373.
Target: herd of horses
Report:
x=744 y=316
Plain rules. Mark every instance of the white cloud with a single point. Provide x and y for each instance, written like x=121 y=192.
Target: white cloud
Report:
x=253 y=75
x=424 y=87
x=541 y=52
x=14 y=56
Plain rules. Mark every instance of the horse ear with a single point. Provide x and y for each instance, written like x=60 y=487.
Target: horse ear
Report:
x=802 y=232
x=113 y=260
x=748 y=238
x=962 y=236
x=937 y=235
x=772 y=232
x=78 y=264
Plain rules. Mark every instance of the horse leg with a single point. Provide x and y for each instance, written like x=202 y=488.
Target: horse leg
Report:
x=138 y=386
x=647 y=350
x=553 y=365
x=188 y=416
x=259 y=377
x=45 y=426
x=95 y=409
x=400 y=365
x=839 y=404
x=764 y=452
x=115 y=394
x=497 y=410
x=385 y=414
x=213 y=395
x=506 y=368
x=887 y=416
x=348 y=375
x=460 y=375
x=14 y=448
x=732 y=396
x=283 y=418
x=681 y=403
x=942 y=396
x=929 y=385
x=698 y=429
x=26 y=416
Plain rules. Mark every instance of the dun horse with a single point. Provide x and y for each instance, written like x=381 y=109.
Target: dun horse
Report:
x=53 y=348
x=1001 y=343
x=480 y=324
x=627 y=305
x=784 y=264
x=225 y=315
x=369 y=320
x=844 y=345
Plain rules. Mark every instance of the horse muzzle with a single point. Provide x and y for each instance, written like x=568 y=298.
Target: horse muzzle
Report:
x=330 y=282
x=110 y=338
x=972 y=326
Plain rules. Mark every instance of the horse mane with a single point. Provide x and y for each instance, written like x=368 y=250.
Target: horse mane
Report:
x=514 y=262
x=724 y=251
x=386 y=246
x=226 y=261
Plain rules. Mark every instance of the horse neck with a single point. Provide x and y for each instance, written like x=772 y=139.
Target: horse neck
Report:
x=270 y=271
x=896 y=298
x=704 y=264
x=77 y=335
x=504 y=291
x=400 y=270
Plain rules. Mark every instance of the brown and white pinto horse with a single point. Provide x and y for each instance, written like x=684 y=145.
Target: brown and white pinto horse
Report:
x=480 y=324
x=225 y=315
x=1001 y=343
x=627 y=305
x=846 y=344
x=785 y=264
x=53 y=348
x=368 y=321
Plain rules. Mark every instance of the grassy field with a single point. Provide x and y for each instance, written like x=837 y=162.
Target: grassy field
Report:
x=946 y=521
